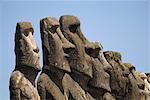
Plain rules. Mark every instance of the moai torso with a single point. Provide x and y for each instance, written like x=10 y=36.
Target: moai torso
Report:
x=22 y=80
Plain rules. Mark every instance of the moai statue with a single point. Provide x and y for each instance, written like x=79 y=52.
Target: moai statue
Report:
x=22 y=80
x=80 y=62
x=55 y=62
x=55 y=82
x=136 y=85
x=133 y=90
x=119 y=80
x=145 y=92
x=100 y=83
x=137 y=78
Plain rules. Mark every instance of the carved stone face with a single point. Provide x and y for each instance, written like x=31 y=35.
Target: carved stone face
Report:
x=70 y=26
x=26 y=50
x=55 y=45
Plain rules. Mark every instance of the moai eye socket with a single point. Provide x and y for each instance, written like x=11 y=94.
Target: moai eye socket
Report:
x=53 y=29
x=73 y=28
x=26 y=33
x=36 y=50
x=108 y=57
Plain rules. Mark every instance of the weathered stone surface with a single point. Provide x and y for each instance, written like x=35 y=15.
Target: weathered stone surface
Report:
x=53 y=81
x=108 y=96
x=73 y=67
x=148 y=77
x=22 y=80
x=54 y=45
x=73 y=89
x=99 y=84
x=21 y=88
x=70 y=26
x=55 y=59
x=80 y=62
x=119 y=82
x=48 y=89
x=27 y=53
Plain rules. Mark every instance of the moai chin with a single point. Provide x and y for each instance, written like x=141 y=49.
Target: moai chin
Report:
x=22 y=79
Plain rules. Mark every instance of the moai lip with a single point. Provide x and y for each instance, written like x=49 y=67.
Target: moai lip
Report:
x=55 y=45
x=26 y=50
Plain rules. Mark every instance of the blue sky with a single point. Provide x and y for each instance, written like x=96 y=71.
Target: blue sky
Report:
x=119 y=25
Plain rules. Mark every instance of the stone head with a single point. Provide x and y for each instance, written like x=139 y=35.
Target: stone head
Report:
x=26 y=50
x=53 y=45
x=71 y=24
x=70 y=27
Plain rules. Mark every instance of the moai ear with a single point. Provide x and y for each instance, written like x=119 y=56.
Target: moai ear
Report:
x=27 y=52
